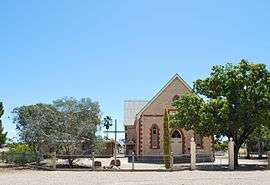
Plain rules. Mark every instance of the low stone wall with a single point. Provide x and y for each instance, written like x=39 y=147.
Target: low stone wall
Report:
x=200 y=158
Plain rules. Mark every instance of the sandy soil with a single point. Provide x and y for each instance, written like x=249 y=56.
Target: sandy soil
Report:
x=31 y=177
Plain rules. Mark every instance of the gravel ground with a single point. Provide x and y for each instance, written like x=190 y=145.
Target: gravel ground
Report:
x=126 y=165
x=31 y=177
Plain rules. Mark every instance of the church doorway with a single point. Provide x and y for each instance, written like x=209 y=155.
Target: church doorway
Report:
x=176 y=142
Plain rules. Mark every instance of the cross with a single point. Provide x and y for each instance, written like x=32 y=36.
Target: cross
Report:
x=115 y=131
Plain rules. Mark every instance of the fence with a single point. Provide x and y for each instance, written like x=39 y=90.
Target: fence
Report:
x=194 y=160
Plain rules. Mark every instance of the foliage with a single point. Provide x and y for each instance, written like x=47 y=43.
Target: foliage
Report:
x=195 y=114
x=80 y=119
x=166 y=141
x=19 y=153
x=38 y=124
x=63 y=126
x=99 y=145
x=237 y=101
x=3 y=135
x=259 y=141
x=221 y=145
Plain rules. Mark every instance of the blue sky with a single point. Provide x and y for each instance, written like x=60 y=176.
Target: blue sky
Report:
x=111 y=51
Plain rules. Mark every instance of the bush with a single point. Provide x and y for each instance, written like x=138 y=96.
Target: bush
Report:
x=221 y=145
x=19 y=154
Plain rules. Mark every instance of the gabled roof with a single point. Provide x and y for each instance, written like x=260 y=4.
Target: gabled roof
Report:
x=131 y=109
x=176 y=76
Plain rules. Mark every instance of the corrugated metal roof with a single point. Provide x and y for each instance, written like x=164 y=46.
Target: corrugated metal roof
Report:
x=131 y=108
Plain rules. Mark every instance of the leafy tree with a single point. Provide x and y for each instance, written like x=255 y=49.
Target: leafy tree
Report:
x=3 y=135
x=237 y=101
x=221 y=145
x=38 y=124
x=80 y=119
x=65 y=126
x=166 y=141
x=258 y=141
x=107 y=123
x=100 y=145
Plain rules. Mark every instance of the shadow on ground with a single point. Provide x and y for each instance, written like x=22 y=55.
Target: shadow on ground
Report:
x=241 y=167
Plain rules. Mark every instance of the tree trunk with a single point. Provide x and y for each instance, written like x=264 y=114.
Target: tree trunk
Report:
x=70 y=162
x=236 y=151
x=260 y=150
x=248 y=151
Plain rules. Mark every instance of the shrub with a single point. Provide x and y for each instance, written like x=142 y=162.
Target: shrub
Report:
x=166 y=141
x=19 y=154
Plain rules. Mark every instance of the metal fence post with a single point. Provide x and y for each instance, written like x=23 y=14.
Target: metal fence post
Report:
x=192 y=154
x=133 y=160
x=231 y=154
x=93 y=161
x=268 y=154
x=171 y=162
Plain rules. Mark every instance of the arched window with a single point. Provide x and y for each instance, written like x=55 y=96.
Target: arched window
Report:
x=154 y=137
x=176 y=97
x=176 y=134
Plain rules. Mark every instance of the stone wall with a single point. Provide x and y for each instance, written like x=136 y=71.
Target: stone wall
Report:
x=153 y=114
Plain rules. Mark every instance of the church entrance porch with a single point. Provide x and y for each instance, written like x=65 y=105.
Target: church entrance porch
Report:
x=176 y=142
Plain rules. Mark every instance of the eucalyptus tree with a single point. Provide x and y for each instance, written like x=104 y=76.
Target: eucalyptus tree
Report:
x=67 y=126
x=79 y=122
x=38 y=125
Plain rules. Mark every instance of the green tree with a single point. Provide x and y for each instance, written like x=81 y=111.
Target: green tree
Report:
x=166 y=141
x=221 y=145
x=258 y=141
x=237 y=101
x=38 y=124
x=80 y=119
x=62 y=126
x=3 y=135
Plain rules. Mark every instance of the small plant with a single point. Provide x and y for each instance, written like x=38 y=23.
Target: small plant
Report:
x=19 y=153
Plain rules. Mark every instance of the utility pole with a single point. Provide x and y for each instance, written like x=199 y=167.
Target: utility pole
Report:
x=115 y=141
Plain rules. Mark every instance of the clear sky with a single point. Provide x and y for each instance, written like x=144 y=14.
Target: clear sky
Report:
x=112 y=51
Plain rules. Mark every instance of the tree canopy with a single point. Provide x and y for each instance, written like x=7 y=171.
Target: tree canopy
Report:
x=63 y=125
x=258 y=141
x=233 y=101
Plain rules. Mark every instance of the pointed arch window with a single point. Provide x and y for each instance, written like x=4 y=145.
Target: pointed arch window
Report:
x=176 y=134
x=154 y=137
x=176 y=97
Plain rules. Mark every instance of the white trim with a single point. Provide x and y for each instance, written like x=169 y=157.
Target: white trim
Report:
x=157 y=95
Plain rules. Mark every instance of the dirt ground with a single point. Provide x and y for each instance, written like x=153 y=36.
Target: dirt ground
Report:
x=25 y=176
x=33 y=177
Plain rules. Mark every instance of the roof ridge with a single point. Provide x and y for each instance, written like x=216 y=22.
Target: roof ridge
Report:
x=136 y=100
x=163 y=88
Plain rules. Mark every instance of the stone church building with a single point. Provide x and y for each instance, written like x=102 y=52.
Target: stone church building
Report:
x=143 y=122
